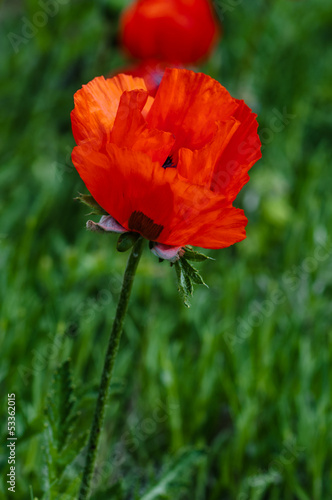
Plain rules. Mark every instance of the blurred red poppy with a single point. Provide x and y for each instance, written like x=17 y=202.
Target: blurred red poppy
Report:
x=167 y=167
x=177 y=31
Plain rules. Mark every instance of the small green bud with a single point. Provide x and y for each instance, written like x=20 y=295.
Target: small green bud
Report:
x=126 y=241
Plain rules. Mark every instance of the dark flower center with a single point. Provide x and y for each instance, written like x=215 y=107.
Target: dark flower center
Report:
x=169 y=162
x=144 y=225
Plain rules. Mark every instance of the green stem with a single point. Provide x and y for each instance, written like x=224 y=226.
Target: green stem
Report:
x=112 y=350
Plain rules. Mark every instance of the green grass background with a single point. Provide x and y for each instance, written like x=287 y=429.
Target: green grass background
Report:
x=236 y=403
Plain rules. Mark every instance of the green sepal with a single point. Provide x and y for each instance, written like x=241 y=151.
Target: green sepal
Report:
x=194 y=256
x=126 y=241
x=187 y=276
x=89 y=201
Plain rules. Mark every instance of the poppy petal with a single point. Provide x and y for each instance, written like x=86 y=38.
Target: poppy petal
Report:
x=239 y=155
x=151 y=70
x=185 y=105
x=144 y=185
x=130 y=129
x=96 y=105
x=198 y=166
x=125 y=182
x=98 y=176
x=192 y=207
x=129 y=122
x=222 y=228
x=228 y=228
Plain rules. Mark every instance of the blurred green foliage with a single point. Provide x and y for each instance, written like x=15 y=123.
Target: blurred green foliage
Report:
x=238 y=386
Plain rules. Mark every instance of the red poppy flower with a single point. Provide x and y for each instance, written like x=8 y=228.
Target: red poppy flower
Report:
x=177 y=31
x=167 y=167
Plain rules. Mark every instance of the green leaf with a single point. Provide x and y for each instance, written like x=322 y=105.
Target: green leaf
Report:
x=33 y=428
x=194 y=256
x=61 y=401
x=184 y=287
x=187 y=276
x=192 y=273
x=88 y=200
x=63 y=440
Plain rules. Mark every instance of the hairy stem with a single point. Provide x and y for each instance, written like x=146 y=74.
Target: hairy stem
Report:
x=112 y=350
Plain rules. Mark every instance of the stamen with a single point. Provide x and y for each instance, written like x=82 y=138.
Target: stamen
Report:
x=169 y=162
